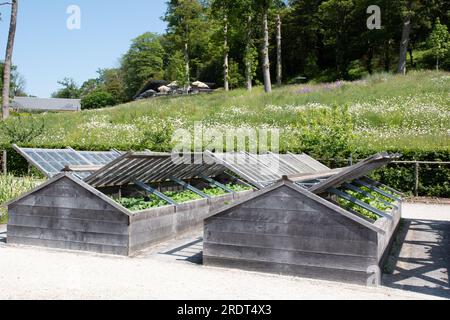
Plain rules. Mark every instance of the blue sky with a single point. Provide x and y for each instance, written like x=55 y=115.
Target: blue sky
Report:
x=47 y=51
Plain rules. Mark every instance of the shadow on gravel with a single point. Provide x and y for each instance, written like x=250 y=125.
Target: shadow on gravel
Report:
x=420 y=258
x=3 y=237
x=191 y=252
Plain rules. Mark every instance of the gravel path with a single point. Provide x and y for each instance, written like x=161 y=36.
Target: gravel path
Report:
x=31 y=273
x=40 y=274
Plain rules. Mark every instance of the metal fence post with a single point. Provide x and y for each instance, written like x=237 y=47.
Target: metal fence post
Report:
x=416 y=179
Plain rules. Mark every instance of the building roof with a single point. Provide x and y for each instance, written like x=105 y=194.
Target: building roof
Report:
x=50 y=104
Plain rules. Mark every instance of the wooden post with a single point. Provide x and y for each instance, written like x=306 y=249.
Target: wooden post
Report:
x=416 y=179
x=5 y=162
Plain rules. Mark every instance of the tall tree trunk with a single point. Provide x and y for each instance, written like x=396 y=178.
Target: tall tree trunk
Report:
x=248 y=55
x=265 y=54
x=279 y=58
x=8 y=59
x=404 y=44
x=225 y=62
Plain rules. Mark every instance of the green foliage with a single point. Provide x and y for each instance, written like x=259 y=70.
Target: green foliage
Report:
x=151 y=201
x=238 y=187
x=322 y=40
x=11 y=187
x=235 y=78
x=326 y=132
x=188 y=32
x=434 y=179
x=439 y=41
x=97 y=100
x=139 y=204
x=21 y=129
x=374 y=200
x=214 y=192
x=17 y=83
x=69 y=90
x=143 y=61
x=111 y=81
x=175 y=70
x=157 y=139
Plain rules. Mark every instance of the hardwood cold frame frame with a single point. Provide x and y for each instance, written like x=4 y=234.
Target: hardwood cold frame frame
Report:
x=362 y=204
x=155 y=192
x=190 y=187
x=67 y=213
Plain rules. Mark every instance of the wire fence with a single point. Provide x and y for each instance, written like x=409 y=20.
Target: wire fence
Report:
x=416 y=166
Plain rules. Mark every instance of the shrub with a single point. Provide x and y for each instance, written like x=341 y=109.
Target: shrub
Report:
x=97 y=100
x=12 y=187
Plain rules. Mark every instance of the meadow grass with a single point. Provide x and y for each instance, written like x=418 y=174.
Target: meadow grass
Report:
x=388 y=112
x=11 y=187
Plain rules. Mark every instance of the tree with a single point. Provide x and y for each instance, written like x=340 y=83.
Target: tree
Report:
x=279 y=50
x=97 y=99
x=111 y=81
x=108 y=80
x=404 y=43
x=175 y=68
x=17 y=83
x=222 y=10
x=339 y=20
x=439 y=41
x=186 y=21
x=264 y=6
x=8 y=59
x=302 y=39
x=251 y=54
x=69 y=90
x=143 y=61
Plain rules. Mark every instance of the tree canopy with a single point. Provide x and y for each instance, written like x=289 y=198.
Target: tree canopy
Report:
x=323 y=40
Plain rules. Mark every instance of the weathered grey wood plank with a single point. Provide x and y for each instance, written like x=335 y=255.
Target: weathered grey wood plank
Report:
x=339 y=275
x=292 y=257
x=88 y=203
x=68 y=235
x=324 y=218
x=78 y=225
x=352 y=233
x=299 y=242
x=111 y=216
x=67 y=245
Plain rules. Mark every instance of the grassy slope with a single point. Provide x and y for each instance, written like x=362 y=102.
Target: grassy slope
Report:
x=389 y=112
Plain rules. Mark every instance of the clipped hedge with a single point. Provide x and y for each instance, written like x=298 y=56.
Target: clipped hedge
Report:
x=434 y=179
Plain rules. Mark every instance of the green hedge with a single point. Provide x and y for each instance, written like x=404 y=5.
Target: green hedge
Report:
x=434 y=180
